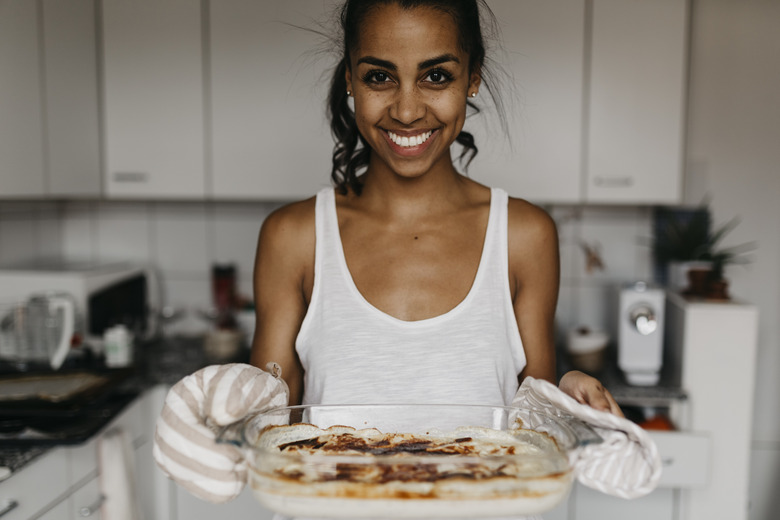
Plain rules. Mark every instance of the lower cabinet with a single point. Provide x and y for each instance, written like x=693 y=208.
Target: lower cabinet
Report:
x=86 y=502
x=65 y=482
x=245 y=507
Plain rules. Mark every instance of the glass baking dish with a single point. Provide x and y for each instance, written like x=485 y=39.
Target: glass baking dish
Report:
x=446 y=461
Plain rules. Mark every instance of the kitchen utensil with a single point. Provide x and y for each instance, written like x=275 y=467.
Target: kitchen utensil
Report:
x=39 y=331
x=318 y=484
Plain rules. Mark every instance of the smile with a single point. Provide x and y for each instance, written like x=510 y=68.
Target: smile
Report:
x=409 y=141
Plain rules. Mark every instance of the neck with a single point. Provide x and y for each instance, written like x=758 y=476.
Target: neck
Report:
x=411 y=196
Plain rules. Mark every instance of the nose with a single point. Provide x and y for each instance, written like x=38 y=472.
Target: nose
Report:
x=408 y=106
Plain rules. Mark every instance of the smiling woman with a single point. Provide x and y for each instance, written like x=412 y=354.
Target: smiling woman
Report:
x=408 y=282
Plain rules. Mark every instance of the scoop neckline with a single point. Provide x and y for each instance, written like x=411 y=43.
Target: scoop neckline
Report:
x=370 y=307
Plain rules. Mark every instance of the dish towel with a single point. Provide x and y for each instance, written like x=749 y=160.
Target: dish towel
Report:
x=117 y=477
x=626 y=464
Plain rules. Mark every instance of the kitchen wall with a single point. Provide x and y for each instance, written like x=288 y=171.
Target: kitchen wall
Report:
x=733 y=156
x=183 y=239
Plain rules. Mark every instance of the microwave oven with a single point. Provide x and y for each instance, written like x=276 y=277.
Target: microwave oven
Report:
x=106 y=294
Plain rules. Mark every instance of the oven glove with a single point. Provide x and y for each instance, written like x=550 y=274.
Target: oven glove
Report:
x=195 y=409
x=625 y=464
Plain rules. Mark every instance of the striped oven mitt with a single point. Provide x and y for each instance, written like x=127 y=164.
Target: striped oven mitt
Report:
x=626 y=464
x=195 y=409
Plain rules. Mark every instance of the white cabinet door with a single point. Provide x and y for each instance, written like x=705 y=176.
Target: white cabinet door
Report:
x=61 y=511
x=594 y=505
x=71 y=93
x=36 y=486
x=270 y=136
x=541 y=157
x=245 y=507
x=154 y=105
x=21 y=116
x=86 y=501
x=636 y=101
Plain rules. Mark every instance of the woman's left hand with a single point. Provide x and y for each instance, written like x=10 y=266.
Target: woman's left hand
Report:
x=589 y=390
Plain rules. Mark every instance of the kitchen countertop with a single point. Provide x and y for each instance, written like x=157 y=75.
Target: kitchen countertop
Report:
x=163 y=361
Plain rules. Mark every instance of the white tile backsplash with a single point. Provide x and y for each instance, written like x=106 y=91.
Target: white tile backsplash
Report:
x=184 y=239
x=181 y=242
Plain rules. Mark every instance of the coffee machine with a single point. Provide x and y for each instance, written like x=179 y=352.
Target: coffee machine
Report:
x=640 y=332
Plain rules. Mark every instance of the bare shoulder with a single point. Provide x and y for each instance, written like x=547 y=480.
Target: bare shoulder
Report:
x=529 y=225
x=288 y=234
x=290 y=224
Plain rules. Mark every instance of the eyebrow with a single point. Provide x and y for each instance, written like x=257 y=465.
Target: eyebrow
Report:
x=438 y=60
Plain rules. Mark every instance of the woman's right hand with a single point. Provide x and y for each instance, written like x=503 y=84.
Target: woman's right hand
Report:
x=195 y=409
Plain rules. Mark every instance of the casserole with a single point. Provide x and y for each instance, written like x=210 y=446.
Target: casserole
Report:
x=411 y=461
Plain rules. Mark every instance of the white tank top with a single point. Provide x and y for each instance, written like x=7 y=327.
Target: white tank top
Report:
x=353 y=353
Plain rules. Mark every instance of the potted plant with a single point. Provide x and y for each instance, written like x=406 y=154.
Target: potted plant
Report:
x=686 y=246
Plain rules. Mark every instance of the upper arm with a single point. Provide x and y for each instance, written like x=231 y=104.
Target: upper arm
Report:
x=284 y=267
x=534 y=270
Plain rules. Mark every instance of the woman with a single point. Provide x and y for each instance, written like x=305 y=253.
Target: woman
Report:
x=409 y=282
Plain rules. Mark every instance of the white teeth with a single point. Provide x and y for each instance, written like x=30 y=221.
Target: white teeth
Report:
x=406 y=142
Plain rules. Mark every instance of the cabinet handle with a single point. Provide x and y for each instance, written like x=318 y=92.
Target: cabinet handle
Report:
x=613 y=182
x=8 y=506
x=93 y=508
x=131 y=177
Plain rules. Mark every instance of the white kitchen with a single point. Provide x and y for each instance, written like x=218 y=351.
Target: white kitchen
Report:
x=162 y=134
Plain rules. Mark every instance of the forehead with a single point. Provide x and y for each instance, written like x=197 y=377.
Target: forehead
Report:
x=396 y=34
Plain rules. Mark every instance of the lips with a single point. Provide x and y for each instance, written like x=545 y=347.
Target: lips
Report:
x=409 y=144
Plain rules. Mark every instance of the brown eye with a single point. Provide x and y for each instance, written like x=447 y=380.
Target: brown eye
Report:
x=438 y=77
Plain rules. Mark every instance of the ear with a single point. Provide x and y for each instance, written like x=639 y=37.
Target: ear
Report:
x=348 y=78
x=475 y=81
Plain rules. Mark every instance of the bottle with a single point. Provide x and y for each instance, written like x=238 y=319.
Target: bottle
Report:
x=118 y=346
x=223 y=278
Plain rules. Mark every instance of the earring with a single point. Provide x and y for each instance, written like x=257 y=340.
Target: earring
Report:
x=473 y=94
x=349 y=92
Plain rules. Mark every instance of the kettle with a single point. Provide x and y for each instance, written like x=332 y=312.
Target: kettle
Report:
x=38 y=331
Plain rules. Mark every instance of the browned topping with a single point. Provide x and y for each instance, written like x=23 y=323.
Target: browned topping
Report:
x=386 y=445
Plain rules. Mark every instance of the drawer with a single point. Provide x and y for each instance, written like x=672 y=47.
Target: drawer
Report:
x=132 y=420
x=83 y=461
x=87 y=501
x=685 y=457
x=37 y=486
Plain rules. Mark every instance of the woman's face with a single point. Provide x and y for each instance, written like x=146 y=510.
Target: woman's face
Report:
x=410 y=81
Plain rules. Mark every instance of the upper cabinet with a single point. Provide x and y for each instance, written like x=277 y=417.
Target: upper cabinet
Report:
x=636 y=101
x=21 y=111
x=49 y=123
x=540 y=82
x=269 y=83
x=154 y=99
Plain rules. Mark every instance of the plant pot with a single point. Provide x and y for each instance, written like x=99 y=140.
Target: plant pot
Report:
x=677 y=272
x=698 y=282
x=718 y=290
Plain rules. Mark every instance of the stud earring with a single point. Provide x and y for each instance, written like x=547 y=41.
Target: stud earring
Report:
x=349 y=92
x=473 y=94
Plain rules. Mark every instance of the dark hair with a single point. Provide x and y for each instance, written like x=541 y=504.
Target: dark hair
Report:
x=351 y=152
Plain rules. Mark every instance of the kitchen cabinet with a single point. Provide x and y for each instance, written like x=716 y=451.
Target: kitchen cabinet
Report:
x=73 y=157
x=21 y=115
x=595 y=103
x=62 y=482
x=540 y=156
x=636 y=102
x=49 y=125
x=154 y=99
x=269 y=86
x=38 y=487
x=715 y=345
